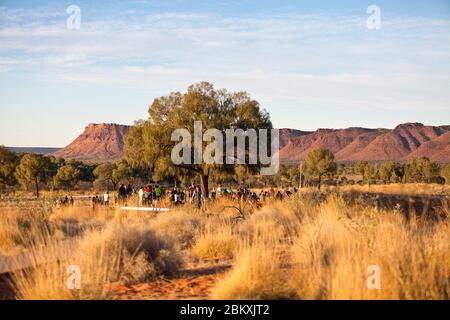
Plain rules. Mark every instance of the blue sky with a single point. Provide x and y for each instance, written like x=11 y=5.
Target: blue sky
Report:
x=311 y=64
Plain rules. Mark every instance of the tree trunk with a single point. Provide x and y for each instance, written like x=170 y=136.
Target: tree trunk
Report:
x=114 y=185
x=320 y=180
x=36 y=183
x=205 y=185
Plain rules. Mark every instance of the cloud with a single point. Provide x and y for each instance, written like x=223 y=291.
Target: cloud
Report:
x=285 y=60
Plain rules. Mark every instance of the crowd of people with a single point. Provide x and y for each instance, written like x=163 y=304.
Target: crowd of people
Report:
x=151 y=194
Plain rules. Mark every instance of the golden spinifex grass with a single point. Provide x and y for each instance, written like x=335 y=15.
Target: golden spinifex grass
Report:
x=297 y=249
x=121 y=252
x=402 y=189
x=331 y=247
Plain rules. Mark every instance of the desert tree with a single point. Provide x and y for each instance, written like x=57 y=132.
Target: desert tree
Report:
x=33 y=169
x=104 y=174
x=8 y=164
x=390 y=172
x=142 y=164
x=360 y=167
x=293 y=174
x=150 y=143
x=123 y=172
x=86 y=169
x=67 y=177
x=421 y=170
x=370 y=174
x=367 y=171
x=319 y=164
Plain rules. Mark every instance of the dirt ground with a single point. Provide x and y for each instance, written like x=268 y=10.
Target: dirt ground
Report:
x=191 y=284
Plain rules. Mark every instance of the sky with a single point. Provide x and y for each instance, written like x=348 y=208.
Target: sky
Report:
x=310 y=64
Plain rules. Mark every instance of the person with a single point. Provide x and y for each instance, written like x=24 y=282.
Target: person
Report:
x=279 y=196
x=122 y=193
x=71 y=201
x=95 y=201
x=129 y=190
x=219 y=191
x=197 y=196
x=106 y=198
x=158 y=192
x=148 y=194
x=66 y=200
x=271 y=193
x=180 y=196
x=141 y=196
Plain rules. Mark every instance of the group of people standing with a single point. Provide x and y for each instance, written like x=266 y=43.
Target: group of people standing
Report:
x=150 y=195
x=125 y=192
x=67 y=201
x=103 y=200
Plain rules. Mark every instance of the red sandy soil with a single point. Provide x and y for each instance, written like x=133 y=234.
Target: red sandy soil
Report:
x=191 y=284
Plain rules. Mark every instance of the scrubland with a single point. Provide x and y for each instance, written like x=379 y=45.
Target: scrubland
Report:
x=300 y=248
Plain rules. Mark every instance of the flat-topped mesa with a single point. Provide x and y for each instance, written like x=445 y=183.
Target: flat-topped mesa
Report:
x=98 y=142
x=96 y=125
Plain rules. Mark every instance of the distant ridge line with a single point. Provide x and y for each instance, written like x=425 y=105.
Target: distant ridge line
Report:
x=106 y=142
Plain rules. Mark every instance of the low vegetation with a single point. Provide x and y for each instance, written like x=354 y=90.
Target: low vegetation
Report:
x=300 y=248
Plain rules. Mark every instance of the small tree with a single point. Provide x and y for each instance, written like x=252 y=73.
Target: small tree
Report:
x=390 y=172
x=33 y=170
x=367 y=172
x=67 y=177
x=319 y=164
x=360 y=167
x=370 y=174
x=104 y=175
x=421 y=170
x=8 y=164
x=294 y=176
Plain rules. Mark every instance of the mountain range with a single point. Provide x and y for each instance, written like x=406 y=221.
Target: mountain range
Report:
x=104 y=142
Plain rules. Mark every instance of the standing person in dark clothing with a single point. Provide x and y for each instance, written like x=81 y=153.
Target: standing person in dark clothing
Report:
x=129 y=190
x=122 y=193
x=95 y=201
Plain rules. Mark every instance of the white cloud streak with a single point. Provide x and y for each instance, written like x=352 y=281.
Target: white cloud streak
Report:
x=289 y=61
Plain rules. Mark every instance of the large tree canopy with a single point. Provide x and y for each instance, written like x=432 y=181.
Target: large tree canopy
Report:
x=150 y=143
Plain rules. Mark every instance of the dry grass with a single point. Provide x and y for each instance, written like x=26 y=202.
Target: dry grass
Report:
x=335 y=248
x=330 y=248
x=401 y=189
x=218 y=241
x=182 y=226
x=20 y=230
x=257 y=274
x=297 y=249
x=127 y=253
